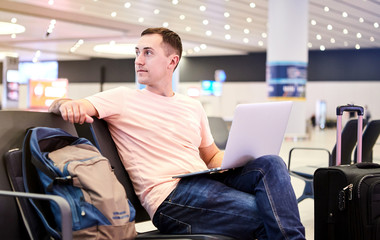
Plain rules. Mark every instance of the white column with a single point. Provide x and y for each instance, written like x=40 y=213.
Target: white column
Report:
x=287 y=57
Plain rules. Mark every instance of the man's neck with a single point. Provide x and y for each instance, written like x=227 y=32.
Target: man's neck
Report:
x=163 y=92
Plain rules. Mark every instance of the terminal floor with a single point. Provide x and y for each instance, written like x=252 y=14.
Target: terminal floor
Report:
x=316 y=139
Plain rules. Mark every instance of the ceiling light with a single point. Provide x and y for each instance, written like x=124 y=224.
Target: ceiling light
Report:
x=13 y=20
x=208 y=33
x=372 y=39
x=319 y=37
x=205 y=22
x=203 y=46
x=197 y=49
x=361 y=20
x=376 y=25
x=182 y=17
x=326 y=9
x=227 y=27
x=329 y=27
x=227 y=36
x=322 y=48
x=249 y=19
x=113 y=14
x=156 y=11
x=175 y=2
x=10 y=28
x=264 y=35
x=202 y=8
x=127 y=5
x=188 y=29
x=165 y=24
x=332 y=40
x=357 y=46
x=313 y=22
x=252 y=5
x=190 y=51
x=246 y=31
x=119 y=49
x=13 y=35
x=141 y=19
x=226 y=14
x=345 y=31
x=245 y=40
x=309 y=44
x=261 y=43
x=359 y=35
x=344 y=14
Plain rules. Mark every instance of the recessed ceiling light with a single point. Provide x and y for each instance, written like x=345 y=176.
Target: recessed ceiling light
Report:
x=252 y=5
x=113 y=14
x=318 y=36
x=357 y=46
x=127 y=5
x=359 y=35
x=203 y=46
x=188 y=29
x=165 y=24
x=309 y=44
x=245 y=40
x=361 y=20
x=141 y=19
x=246 y=31
x=197 y=49
x=13 y=20
x=208 y=33
x=376 y=25
x=372 y=39
x=332 y=40
x=345 y=31
x=322 y=48
x=182 y=17
x=119 y=49
x=227 y=36
x=227 y=27
x=329 y=27
x=264 y=35
x=326 y=9
x=156 y=11
x=261 y=43
x=202 y=8
x=205 y=22
x=313 y=22
x=10 y=28
x=13 y=35
x=249 y=19
x=175 y=2
x=226 y=14
x=344 y=14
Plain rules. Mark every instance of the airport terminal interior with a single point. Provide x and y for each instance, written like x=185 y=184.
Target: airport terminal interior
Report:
x=318 y=54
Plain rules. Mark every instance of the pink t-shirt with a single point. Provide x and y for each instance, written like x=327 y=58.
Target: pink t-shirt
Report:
x=157 y=138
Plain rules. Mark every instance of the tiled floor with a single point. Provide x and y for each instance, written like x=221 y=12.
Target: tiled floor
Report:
x=316 y=139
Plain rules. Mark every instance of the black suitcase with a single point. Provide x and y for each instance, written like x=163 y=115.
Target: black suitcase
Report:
x=347 y=198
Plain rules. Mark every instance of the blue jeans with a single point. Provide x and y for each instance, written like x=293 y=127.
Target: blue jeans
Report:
x=255 y=201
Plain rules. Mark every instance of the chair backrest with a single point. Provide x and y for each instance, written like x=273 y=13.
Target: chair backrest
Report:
x=12 y=131
x=349 y=140
x=370 y=135
x=219 y=131
x=98 y=133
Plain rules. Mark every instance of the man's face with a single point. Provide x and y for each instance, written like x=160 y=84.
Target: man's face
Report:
x=152 y=63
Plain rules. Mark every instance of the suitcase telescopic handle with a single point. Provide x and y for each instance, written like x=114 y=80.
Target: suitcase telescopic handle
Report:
x=339 y=112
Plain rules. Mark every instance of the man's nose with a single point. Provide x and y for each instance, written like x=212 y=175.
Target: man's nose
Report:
x=139 y=60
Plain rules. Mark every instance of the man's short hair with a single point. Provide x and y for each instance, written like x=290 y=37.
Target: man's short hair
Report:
x=168 y=37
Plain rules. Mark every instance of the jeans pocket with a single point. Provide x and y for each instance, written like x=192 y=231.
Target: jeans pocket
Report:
x=169 y=224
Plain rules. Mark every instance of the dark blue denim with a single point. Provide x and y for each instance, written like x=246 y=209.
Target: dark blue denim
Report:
x=255 y=201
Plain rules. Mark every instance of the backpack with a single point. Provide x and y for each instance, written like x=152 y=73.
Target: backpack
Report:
x=73 y=168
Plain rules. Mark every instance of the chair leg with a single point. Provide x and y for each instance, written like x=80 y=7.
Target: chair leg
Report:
x=308 y=191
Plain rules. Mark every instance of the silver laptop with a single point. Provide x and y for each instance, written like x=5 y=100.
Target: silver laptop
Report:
x=257 y=129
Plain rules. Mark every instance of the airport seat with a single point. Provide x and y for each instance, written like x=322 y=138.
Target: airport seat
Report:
x=370 y=136
x=306 y=173
x=219 y=131
x=12 y=132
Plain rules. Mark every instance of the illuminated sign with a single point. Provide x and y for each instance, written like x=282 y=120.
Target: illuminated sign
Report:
x=43 y=92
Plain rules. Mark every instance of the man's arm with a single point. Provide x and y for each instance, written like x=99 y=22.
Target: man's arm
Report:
x=74 y=111
x=211 y=155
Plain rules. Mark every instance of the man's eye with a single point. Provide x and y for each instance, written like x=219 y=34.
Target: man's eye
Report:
x=148 y=53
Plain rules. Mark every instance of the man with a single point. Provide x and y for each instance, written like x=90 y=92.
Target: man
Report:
x=160 y=134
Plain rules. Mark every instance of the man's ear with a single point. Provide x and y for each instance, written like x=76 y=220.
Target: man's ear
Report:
x=173 y=61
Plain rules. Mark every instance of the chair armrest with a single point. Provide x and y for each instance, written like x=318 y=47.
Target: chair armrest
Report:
x=309 y=149
x=61 y=202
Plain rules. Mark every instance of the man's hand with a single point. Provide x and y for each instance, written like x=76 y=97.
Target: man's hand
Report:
x=74 y=111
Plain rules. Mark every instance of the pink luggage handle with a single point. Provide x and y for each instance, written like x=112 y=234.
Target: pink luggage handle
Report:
x=339 y=113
